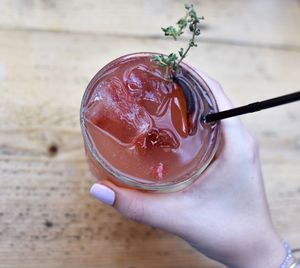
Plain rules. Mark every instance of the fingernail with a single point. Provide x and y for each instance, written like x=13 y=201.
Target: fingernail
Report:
x=103 y=194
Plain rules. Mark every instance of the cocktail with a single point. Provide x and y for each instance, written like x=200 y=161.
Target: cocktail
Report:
x=142 y=126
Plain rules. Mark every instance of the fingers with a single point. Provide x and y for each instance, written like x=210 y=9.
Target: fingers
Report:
x=139 y=206
x=103 y=194
x=132 y=204
x=232 y=128
x=234 y=132
x=223 y=102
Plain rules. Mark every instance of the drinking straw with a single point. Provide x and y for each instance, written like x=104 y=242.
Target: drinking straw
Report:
x=252 y=107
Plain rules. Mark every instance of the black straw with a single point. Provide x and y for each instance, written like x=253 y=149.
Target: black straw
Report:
x=252 y=107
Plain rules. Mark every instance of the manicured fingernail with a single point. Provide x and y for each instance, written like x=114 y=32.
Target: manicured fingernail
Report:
x=103 y=194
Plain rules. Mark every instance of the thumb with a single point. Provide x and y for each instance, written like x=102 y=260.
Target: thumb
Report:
x=135 y=205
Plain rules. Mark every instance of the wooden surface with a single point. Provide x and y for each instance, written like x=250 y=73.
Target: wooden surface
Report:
x=49 y=50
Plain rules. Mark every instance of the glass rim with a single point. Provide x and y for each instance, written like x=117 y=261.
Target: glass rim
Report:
x=128 y=180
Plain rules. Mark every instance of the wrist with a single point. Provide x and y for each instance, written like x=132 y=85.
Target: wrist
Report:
x=267 y=251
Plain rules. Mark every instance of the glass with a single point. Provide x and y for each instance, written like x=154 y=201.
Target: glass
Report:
x=142 y=129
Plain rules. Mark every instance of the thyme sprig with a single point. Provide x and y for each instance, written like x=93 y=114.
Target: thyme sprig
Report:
x=190 y=19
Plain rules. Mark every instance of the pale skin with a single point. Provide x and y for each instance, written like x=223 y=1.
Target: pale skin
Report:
x=224 y=214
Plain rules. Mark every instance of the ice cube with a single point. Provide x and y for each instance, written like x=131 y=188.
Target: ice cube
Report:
x=134 y=83
x=156 y=138
x=115 y=111
x=162 y=138
x=149 y=87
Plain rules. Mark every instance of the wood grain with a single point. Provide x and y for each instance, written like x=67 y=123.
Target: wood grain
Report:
x=47 y=218
x=258 y=23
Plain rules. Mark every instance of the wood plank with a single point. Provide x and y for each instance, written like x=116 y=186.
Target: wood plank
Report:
x=46 y=215
x=258 y=23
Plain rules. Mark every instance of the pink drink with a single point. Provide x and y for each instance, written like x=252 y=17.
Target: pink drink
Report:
x=139 y=128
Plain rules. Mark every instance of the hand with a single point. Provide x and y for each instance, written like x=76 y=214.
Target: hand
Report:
x=224 y=214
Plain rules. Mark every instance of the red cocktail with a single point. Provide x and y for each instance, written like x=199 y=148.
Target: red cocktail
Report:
x=142 y=128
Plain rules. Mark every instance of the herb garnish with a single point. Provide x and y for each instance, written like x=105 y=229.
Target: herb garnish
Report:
x=192 y=20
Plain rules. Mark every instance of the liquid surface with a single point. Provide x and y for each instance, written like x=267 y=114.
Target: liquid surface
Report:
x=137 y=119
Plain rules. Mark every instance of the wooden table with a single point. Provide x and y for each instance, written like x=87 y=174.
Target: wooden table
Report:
x=49 y=50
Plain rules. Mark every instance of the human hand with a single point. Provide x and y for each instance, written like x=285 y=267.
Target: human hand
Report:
x=224 y=214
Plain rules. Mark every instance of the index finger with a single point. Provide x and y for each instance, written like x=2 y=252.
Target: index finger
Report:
x=232 y=128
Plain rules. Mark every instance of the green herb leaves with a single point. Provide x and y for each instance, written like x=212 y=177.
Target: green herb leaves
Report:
x=165 y=61
x=172 y=31
x=191 y=20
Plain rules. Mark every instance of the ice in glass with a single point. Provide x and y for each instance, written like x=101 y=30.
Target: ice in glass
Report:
x=142 y=128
